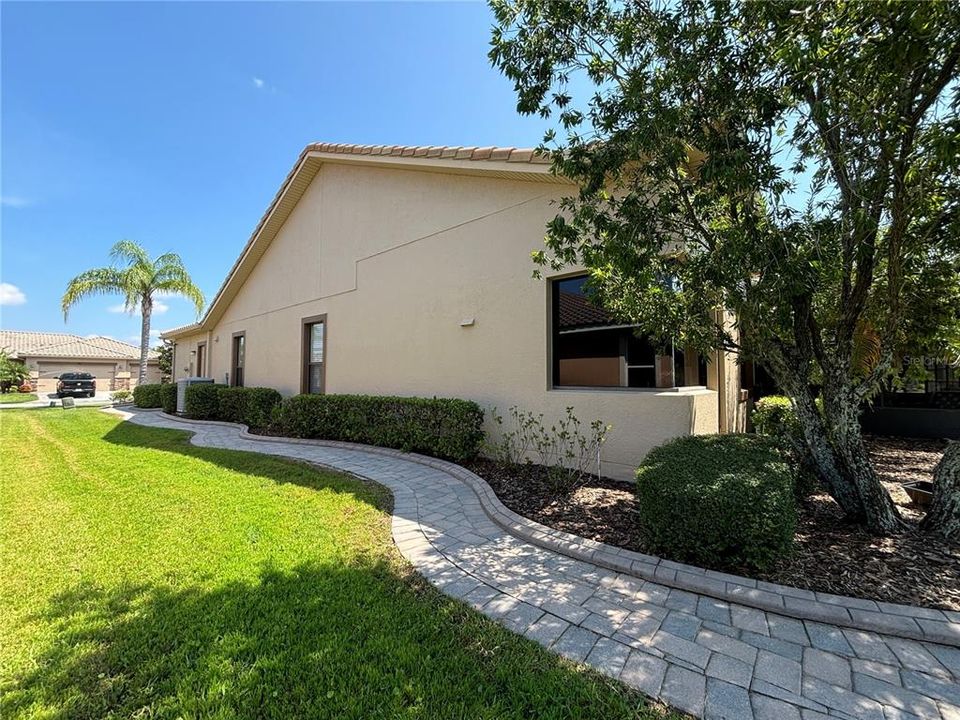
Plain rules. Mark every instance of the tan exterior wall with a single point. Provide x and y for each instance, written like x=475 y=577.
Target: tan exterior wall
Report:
x=397 y=260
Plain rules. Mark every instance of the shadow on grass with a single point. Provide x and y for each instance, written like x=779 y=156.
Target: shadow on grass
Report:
x=324 y=641
x=270 y=467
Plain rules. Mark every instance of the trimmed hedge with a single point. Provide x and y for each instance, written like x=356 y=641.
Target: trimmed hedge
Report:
x=444 y=428
x=168 y=397
x=252 y=406
x=719 y=501
x=147 y=395
x=202 y=401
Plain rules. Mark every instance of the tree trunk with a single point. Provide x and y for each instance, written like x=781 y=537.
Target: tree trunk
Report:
x=835 y=444
x=841 y=410
x=146 y=309
x=943 y=518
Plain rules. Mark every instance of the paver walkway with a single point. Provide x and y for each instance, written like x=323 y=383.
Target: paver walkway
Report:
x=705 y=656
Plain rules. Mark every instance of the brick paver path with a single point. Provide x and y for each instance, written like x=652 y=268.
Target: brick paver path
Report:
x=705 y=656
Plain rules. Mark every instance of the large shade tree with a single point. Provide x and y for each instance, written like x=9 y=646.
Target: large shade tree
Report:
x=794 y=162
x=139 y=279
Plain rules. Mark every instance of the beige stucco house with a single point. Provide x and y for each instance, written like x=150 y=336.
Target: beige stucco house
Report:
x=113 y=363
x=407 y=271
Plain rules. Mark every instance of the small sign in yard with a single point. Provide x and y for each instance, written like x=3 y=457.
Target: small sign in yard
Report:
x=68 y=403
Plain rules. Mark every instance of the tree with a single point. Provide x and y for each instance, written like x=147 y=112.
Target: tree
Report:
x=139 y=279
x=165 y=359
x=12 y=372
x=794 y=162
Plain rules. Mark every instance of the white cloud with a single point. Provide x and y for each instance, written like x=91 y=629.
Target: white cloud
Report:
x=159 y=308
x=259 y=83
x=135 y=339
x=11 y=295
x=14 y=201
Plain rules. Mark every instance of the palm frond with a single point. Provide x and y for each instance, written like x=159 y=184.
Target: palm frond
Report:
x=99 y=281
x=176 y=281
x=130 y=253
x=867 y=348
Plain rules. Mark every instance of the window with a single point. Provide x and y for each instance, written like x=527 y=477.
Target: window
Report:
x=201 y=356
x=239 y=359
x=314 y=347
x=590 y=349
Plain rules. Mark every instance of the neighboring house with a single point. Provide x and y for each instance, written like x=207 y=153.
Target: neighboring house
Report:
x=407 y=271
x=114 y=364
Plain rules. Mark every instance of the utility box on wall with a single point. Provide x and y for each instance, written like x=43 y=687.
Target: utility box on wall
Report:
x=182 y=386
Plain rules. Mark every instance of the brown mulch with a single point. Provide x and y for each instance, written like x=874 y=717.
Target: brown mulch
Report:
x=830 y=554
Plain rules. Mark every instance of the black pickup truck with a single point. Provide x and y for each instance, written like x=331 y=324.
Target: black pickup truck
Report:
x=77 y=384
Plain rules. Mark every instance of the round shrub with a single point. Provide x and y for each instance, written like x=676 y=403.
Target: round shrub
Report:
x=720 y=501
x=147 y=395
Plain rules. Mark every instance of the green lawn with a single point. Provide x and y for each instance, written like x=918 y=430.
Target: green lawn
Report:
x=143 y=577
x=16 y=397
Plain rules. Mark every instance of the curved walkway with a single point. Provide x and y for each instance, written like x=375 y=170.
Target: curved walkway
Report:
x=701 y=654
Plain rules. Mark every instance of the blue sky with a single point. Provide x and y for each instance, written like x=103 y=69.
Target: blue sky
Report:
x=173 y=124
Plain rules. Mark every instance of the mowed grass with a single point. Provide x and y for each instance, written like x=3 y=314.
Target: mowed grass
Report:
x=16 y=397
x=146 y=578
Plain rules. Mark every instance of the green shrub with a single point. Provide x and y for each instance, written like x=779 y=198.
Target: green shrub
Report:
x=445 y=428
x=121 y=396
x=147 y=396
x=720 y=501
x=774 y=417
x=202 y=401
x=251 y=406
x=168 y=397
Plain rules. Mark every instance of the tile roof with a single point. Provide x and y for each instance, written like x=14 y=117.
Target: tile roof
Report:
x=22 y=343
x=576 y=311
x=439 y=152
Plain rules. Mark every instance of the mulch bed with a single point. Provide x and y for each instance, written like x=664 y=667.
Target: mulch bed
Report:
x=830 y=555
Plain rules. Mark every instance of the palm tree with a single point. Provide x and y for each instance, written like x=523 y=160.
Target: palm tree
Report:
x=138 y=278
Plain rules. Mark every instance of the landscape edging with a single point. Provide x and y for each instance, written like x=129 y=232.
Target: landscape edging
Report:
x=906 y=621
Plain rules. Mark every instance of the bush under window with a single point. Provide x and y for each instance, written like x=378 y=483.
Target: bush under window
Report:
x=445 y=428
x=719 y=501
x=252 y=406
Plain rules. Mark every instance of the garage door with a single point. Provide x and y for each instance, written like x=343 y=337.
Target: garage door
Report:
x=49 y=370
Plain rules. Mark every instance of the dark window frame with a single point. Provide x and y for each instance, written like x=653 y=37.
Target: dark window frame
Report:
x=234 y=357
x=201 y=358
x=553 y=334
x=306 y=325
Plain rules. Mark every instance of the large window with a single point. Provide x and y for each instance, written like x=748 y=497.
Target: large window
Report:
x=590 y=349
x=314 y=347
x=239 y=359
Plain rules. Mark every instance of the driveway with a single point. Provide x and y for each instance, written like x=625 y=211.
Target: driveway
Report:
x=48 y=399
